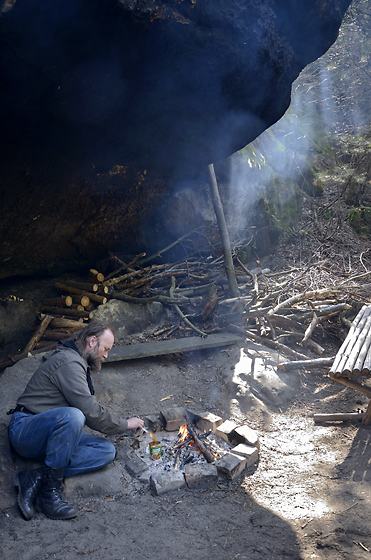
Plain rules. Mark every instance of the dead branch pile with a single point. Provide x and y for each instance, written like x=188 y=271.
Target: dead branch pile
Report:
x=293 y=311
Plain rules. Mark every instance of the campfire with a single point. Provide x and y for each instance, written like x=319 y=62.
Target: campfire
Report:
x=192 y=450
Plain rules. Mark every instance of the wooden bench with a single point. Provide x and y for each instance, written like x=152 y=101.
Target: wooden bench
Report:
x=354 y=360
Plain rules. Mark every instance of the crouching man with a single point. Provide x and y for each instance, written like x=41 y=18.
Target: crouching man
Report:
x=47 y=423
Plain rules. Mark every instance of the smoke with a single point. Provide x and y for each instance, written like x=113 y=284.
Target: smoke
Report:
x=279 y=155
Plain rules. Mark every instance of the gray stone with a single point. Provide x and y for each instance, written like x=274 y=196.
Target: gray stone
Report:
x=165 y=481
x=225 y=430
x=231 y=465
x=173 y=418
x=244 y=434
x=128 y=318
x=135 y=465
x=102 y=483
x=201 y=476
x=250 y=453
x=208 y=421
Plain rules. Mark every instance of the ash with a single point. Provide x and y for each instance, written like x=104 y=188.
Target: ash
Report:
x=176 y=457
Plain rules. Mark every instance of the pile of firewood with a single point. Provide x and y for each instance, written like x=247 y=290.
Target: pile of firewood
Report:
x=292 y=311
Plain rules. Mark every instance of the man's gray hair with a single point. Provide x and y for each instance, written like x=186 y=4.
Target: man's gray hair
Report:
x=92 y=329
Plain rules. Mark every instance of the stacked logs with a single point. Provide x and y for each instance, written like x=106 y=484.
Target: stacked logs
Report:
x=62 y=316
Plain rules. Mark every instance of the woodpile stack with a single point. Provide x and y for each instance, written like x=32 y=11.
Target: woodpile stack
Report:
x=293 y=311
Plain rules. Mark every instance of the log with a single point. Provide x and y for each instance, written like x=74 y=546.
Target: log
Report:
x=276 y=346
x=224 y=235
x=366 y=366
x=62 y=301
x=38 y=334
x=50 y=334
x=345 y=348
x=205 y=452
x=95 y=277
x=71 y=286
x=358 y=341
x=67 y=312
x=22 y=355
x=338 y=417
x=80 y=300
x=367 y=416
x=82 y=292
x=353 y=384
x=62 y=322
x=319 y=362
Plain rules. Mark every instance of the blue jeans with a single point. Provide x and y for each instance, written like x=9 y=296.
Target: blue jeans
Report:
x=56 y=438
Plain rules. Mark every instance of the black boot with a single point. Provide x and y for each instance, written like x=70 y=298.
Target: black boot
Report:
x=50 y=499
x=28 y=484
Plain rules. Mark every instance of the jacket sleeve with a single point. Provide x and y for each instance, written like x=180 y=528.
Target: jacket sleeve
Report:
x=70 y=378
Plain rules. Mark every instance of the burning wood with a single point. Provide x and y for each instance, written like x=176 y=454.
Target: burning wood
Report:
x=188 y=436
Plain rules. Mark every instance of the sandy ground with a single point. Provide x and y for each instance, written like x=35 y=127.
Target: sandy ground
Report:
x=308 y=496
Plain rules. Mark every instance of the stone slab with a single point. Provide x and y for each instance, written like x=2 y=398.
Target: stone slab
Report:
x=201 y=476
x=250 y=453
x=244 y=434
x=135 y=465
x=162 y=347
x=167 y=481
x=231 y=465
x=225 y=430
x=208 y=421
x=173 y=418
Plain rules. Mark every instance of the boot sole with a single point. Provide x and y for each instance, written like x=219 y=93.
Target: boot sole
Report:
x=62 y=518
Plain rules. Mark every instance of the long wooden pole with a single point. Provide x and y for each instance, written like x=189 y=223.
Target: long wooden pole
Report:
x=224 y=235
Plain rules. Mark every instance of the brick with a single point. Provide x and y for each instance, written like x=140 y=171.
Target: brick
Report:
x=231 y=465
x=201 y=476
x=167 y=481
x=225 y=430
x=208 y=421
x=173 y=418
x=244 y=434
x=250 y=453
x=135 y=465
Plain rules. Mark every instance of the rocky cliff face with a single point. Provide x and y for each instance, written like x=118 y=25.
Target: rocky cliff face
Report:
x=103 y=102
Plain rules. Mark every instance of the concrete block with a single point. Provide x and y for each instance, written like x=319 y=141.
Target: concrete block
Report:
x=166 y=481
x=173 y=418
x=201 y=476
x=231 y=465
x=135 y=465
x=208 y=421
x=225 y=430
x=244 y=434
x=250 y=453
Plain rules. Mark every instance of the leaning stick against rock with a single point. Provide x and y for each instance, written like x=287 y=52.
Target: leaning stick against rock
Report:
x=38 y=334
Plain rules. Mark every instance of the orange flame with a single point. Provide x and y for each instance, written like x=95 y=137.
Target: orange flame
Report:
x=183 y=433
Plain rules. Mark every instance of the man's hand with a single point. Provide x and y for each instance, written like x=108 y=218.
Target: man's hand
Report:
x=134 y=423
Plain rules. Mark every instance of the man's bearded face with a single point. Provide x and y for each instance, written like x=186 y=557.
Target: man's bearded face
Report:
x=94 y=359
x=98 y=349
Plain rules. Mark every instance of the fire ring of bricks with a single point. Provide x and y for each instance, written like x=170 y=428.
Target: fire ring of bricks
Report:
x=191 y=450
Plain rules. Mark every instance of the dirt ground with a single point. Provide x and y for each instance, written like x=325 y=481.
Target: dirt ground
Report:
x=308 y=497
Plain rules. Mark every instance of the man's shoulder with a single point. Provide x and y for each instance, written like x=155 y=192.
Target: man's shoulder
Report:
x=63 y=355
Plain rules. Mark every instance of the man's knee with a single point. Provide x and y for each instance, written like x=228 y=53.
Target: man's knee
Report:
x=72 y=416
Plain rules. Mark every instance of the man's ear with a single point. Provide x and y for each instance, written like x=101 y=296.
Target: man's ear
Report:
x=91 y=341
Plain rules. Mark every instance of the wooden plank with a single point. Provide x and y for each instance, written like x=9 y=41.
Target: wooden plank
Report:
x=175 y=346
